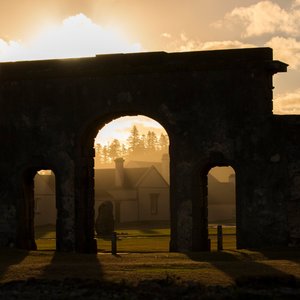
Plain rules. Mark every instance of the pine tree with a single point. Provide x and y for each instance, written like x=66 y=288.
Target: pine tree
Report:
x=133 y=140
x=114 y=150
x=141 y=147
x=163 y=142
x=151 y=141
x=98 y=150
x=124 y=151
x=105 y=156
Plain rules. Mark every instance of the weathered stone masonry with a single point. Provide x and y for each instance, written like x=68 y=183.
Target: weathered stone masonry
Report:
x=216 y=107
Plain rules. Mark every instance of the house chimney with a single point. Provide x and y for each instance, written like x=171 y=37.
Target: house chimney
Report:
x=165 y=167
x=119 y=172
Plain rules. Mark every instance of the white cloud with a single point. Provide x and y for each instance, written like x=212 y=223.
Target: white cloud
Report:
x=296 y=3
x=286 y=50
x=288 y=103
x=186 y=44
x=214 y=45
x=77 y=36
x=264 y=17
x=166 y=35
x=10 y=48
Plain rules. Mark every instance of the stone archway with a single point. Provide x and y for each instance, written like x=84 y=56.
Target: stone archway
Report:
x=209 y=102
x=85 y=213
x=31 y=187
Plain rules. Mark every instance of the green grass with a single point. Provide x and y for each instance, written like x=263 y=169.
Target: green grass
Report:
x=141 y=238
x=143 y=255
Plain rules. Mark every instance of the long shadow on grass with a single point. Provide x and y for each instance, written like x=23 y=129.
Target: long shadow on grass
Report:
x=292 y=254
x=241 y=267
x=73 y=265
x=9 y=257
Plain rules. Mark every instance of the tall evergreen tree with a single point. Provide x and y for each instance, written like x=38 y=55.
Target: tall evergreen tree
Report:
x=98 y=150
x=151 y=141
x=133 y=140
x=105 y=156
x=124 y=151
x=114 y=150
x=163 y=142
x=141 y=147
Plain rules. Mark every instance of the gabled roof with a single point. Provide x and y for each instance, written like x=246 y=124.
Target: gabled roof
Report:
x=143 y=164
x=150 y=170
x=105 y=178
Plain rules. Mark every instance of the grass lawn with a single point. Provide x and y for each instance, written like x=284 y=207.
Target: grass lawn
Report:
x=208 y=268
x=143 y=254
x=133 y=239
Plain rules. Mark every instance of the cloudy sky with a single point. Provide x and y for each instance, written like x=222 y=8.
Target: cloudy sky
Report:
x=38 y=29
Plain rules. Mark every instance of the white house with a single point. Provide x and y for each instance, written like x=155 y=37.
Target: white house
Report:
x=137 y=194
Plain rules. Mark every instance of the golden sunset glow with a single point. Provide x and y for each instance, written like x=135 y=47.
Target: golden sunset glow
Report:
x=31 y=30
x=120 y=128
x=76 y=36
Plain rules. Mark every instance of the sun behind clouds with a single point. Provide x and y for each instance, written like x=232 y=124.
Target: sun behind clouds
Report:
x=76 y=36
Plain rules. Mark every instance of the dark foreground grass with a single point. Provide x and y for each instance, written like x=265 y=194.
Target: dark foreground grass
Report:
x=167 y=288
x=208 y=268
x=239 y=274
x=143 y=269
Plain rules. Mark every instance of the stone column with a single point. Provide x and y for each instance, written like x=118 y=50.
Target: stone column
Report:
x=25 y=212
x=294 y=204
x=200 y=210
x=181 y=206
x=65 y=205
x=85 y=220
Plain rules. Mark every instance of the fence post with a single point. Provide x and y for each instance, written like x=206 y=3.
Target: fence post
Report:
x=209 y=245
x=114 y=243
x=219 y=238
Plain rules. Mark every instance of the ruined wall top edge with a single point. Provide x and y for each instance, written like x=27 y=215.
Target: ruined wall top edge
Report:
x=142 y=62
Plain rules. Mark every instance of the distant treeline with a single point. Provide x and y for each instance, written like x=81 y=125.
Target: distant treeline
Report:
x=137 y=145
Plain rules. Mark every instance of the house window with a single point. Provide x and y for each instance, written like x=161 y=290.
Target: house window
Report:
x=154 y=204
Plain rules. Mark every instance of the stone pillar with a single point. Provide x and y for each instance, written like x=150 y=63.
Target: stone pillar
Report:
x=25 y=212
x=188 y=202
x=85 y=213
x=200 y=210
x=180 y=206
x=294 y=205
x=65 y=205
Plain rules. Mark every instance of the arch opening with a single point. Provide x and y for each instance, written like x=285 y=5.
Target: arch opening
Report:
x=37 y=211
x=45 y=212
x=131 y=171
x=221 y=205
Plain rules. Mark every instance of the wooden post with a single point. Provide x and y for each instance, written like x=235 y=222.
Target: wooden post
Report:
x=219 y=238
x=114 y=243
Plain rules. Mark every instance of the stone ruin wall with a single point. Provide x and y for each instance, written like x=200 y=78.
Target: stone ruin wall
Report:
x=216 y=107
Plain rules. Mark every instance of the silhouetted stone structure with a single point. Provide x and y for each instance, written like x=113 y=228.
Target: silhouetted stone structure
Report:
x=216 y=107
